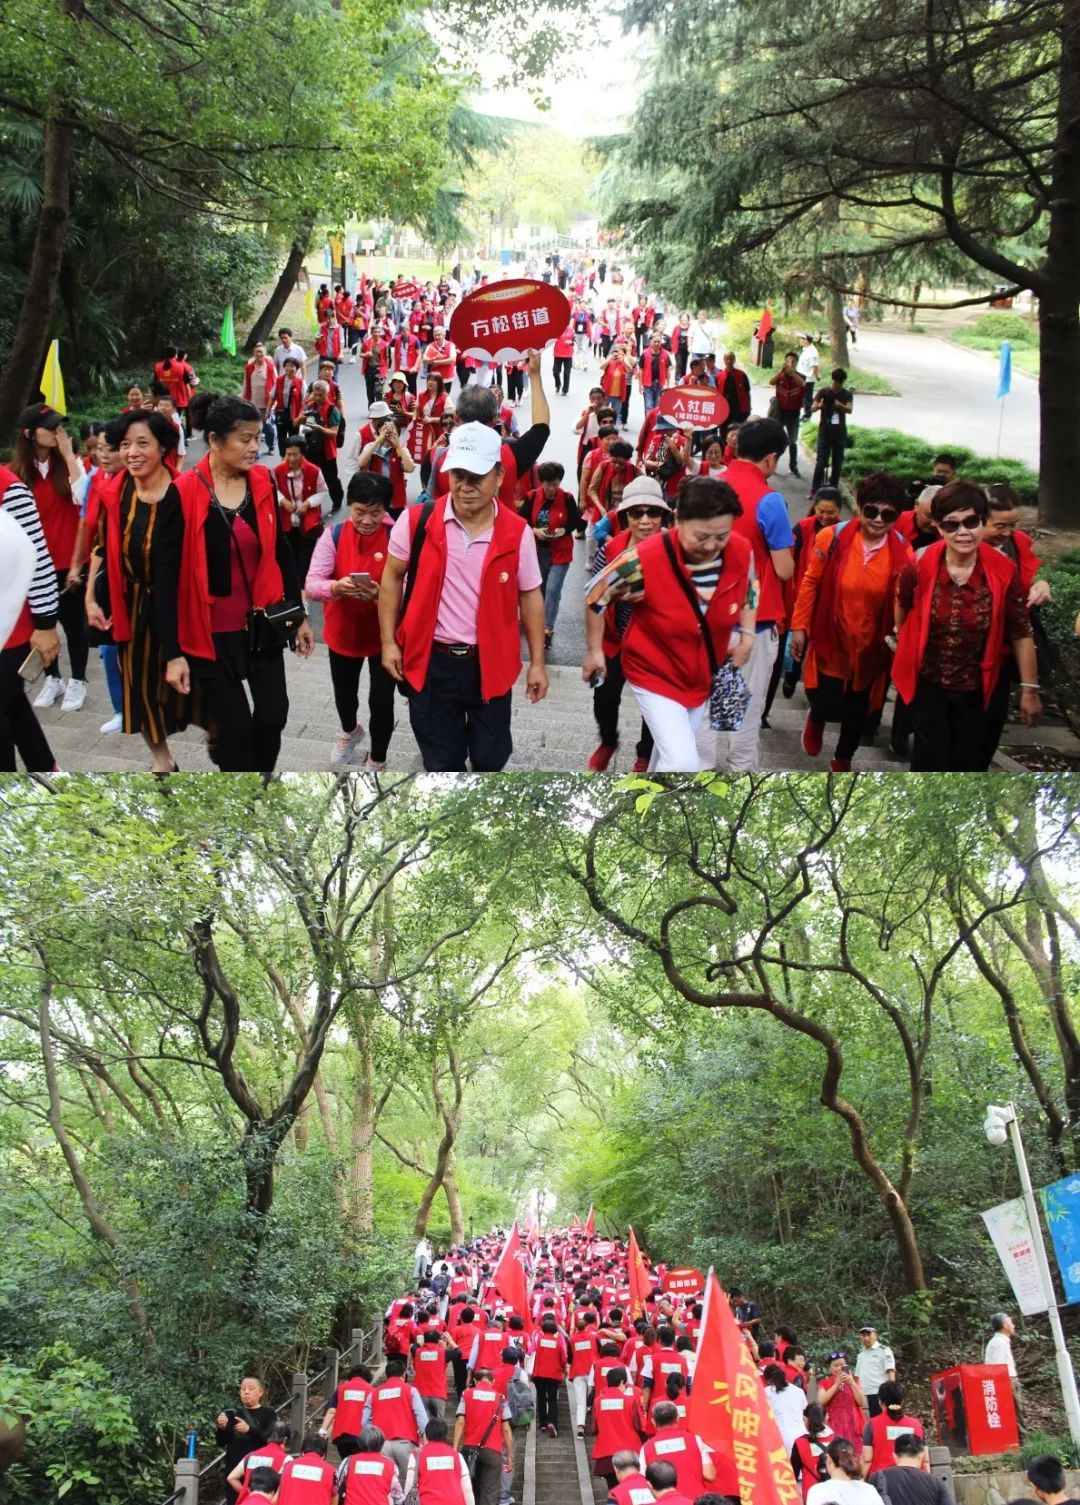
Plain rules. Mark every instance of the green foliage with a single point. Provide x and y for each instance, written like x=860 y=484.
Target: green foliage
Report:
x=1060 y=616
x=988 y=331
x=910 y=458
x=217 y=373
x=740 y=324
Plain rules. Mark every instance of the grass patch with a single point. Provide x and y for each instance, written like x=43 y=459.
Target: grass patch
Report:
x=220 y=373
x=909 y=458
x=987 y=333
x=739 y=327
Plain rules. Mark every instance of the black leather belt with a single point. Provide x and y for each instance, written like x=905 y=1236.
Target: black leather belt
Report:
x=455 y=650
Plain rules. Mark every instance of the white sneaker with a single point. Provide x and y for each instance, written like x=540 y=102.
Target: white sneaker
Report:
x=372 y=767
x=342 y=751
x=114 y=724
x=74 y=695
x=49 y=694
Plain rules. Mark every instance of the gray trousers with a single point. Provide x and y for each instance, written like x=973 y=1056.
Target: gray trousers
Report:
x=400 y=1450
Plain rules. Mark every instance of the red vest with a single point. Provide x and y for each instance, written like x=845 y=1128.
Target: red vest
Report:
x=564 y=345
x=884 y=1430
x=822 y=635
x=352 y=627
x=368 y=1479
x=810 y=1453
x=582 y=1354
x=915 y=633
x=677 y=1446
x=549 y=1356
x=272 y=379
x=482 y=1403
x=329 y=342
x=306 y=1480
x=497 y=636
x=24 y=624
x=423 y=433
x=607 y=474
x=439 y=484
x=289 y=397
x=321 y=414
x=109 y=501
x=666 y=1361
x=615 y=1413
x=391 y=1410
x=749 y=485
x=351 y=1398
x=562 y=549
x=655 y=366
x=633 y=1490
x=429 y=1361
x=310 y=475
x=663 y=649
x=492 y=1343
x=193 y=589
x=438 y=1474
x=272 y=1455
x=59 y=518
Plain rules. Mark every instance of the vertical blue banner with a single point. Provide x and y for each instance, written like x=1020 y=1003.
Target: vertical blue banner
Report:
x=1004 y=369
x=1061 y=1206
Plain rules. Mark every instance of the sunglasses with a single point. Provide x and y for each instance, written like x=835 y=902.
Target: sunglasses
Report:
x=874 y=512
x=970 y=521
x=637 y=513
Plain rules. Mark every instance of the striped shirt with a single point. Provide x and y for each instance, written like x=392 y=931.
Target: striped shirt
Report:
x=43 y=596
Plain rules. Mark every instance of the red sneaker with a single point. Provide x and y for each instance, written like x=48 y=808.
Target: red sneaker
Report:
x=640 y=765
x=813 y=735
x=601 y=758
x=840 y=765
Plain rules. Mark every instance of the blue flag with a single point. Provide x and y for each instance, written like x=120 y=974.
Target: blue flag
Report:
x=1005 y=370
x=1061 y=1204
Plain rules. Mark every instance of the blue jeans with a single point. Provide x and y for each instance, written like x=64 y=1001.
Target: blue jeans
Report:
x=552 y=577
x=616 y=404
x=269 y=434
x=652 y=396
x=110 y=662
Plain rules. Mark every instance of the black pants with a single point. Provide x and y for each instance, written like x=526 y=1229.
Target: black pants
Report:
x=562 y=370
x=606 y=342
x=515 y=385
x=302 y=541
x=329 y=469
x=410 y=381
x=807 y=399
x=461 y=1371
x=682 y=355
x=791 y=426
x=248 y=737
x=463 y=372
x=605 y=704
x=951 y=730
x=345 y=677
x=547 y=1402
x=374 y=385
x=451 y=723
x=19 y=727
x=72 y=616
x=831 y=701
x=284 y=426
x=830 y=456
x=488 y=1475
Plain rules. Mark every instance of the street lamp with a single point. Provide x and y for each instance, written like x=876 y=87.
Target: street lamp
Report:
x=999 y=1125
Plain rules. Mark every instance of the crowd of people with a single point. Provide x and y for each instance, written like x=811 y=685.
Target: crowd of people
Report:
x=569 y=1340
x=445 y=552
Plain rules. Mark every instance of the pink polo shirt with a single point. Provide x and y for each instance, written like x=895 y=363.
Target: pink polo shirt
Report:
x=455 y=621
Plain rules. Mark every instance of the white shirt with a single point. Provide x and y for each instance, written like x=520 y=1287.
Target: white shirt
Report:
x=999 y=1351
x=698 y=339
x=843 y=1492
x=808 y=361
x=282 y=353
x=788 y=1406
x=872 y=1367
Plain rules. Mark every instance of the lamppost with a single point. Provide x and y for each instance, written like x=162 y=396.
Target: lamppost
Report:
x=999 y=1125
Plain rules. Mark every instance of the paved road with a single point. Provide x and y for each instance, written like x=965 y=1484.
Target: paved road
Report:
x=947 y=395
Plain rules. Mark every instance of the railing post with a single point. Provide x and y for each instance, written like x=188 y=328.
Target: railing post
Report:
x=186 y=1478
x=356 y=1347
x=332 y=1360
x=941 y=1464
x=298 y=1407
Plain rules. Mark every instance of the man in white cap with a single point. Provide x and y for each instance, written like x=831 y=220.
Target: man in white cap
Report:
x=453 y=636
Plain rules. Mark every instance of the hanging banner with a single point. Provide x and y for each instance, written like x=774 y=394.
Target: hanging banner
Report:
x=502 y=321
x=1061 y=1205
x=701 y=406
x=1008 y=1226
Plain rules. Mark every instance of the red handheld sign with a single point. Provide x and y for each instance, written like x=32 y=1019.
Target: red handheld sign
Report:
x=701 y=406
x=682 y=1282
x=502 y=321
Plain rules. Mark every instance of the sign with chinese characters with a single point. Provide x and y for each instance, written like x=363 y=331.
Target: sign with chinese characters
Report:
x=504 y=320
x=1061 y=1206
x=974 y=1409
x=1007 y=1224
x=683 y=1282
x=701 y=406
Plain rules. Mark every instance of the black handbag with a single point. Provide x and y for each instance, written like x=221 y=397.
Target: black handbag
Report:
x=471 y=1454
x=729 y=694
x=269 y=628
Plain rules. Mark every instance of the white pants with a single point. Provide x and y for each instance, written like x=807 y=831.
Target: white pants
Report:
x=580 y=1383
x=742 y=748
x=674 y=730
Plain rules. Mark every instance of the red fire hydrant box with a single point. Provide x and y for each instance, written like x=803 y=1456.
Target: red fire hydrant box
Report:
x=974 y=1410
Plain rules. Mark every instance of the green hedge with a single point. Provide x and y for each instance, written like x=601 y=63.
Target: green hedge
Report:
x=908 y=457
x=1061 y=665
x=220 y=373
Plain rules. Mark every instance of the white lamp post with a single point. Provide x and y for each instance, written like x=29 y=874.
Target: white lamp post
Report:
x=999 y=1125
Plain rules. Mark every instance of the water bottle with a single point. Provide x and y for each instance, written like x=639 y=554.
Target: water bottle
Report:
x=192 y=1443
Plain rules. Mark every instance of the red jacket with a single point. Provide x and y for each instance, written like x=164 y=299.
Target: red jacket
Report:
x=289 y=398
x=270 y=1455
x=368 y=1479
x=310 y=475
x=821 y=636
x=349 y=1400
x=679 y=1447
x=915 y=633
x=549 y=1356
x=351 y=627
x=193 y=590
x=307 y=1480
x=562 y=549
x=750 y=486
x=618 y=1422
x=438 y=1474
x=663 y=649
x=497 y=634
x=272 y=380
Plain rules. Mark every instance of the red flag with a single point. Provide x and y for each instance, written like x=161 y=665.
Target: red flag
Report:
x=590 y=1222
x=766 y=324
x=639 y=1280
x=509 y=1276
x=728 y=1408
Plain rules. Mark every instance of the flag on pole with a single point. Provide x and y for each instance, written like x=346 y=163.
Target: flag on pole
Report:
x=509 y=1276
x=228 y=331
x=729 y=1411
x=639 y=1279
x=1005 y=370
x=52 y=382
x=766 y=324
x=309 y=304
x=590 y=1222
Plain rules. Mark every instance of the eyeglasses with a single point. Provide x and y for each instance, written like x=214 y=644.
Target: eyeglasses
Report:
x=970 y=521
x=637 y=513
x=874 y=512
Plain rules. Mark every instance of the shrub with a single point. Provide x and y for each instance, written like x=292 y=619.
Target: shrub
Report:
x=1061 y=662
x=219 y=373
x=740 y=324
x=909 y=458
x=993 y=328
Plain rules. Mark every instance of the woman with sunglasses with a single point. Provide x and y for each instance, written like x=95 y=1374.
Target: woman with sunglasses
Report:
x=957 y=610
x=844 y=613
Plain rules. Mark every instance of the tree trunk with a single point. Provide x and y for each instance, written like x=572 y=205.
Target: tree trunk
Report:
x=837 y=333
x=22 y=372
x=438 y=1175
x=361 y=1171
x=453 y=1202
x=282 y=288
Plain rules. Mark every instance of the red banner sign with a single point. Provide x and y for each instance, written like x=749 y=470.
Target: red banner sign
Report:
x=502 y=321
x=701 y=406
x=682 y=1282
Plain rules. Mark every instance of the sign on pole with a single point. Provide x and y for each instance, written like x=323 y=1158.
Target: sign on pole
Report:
x=1008 y=1226
x=701 y=406
x=1061 y=1206
x=502 y=321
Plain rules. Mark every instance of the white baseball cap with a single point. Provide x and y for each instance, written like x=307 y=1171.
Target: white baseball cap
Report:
x=473 y=447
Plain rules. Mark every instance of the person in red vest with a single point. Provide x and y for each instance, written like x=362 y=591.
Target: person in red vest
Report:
x=552 y=514
x=263 y=1485
x=400 y=398
x=395 y=1407
x=583 y=1352
x=260 y=383
x=948 y=660
x=345 y=307
x=824 y=513
x=654 y=372
x=1003 y=534
x=429 y=1362
x=438 y=1472
x=46 y=463
x=288 y=401
x=882 y=1430
x=618 y=1422
x=302 y=497
x=308 y=1479
x=380 y=448
x=563 y=359
x=549 y=1360
x=375 y=362
x=789 y=391
x=631 y=1488
x=321 y=423
x=483 y=1422
x=809 y=1452
x=406 y=352
x=440 y=357
x=271 y=1454
x=28 y=605
x=609 y=478
x=691 y=579
x=455 y=642
x=664 y=1360
x=844 y=614
x=430 y=406
x=487 y=1345
x=344 y=1416
x=331 y=343
x=367 y=1476
x=696 y=1465
x=176 y=374
x=222 y=555
x=616 y=376
x=733 y=384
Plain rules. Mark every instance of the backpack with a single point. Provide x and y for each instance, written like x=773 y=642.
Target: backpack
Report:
x=521 y=1398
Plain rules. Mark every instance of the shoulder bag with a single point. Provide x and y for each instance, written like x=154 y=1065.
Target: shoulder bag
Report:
x=268 y=627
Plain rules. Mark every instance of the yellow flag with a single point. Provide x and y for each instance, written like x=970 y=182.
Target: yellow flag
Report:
x=52 y=381
x=309 y=304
